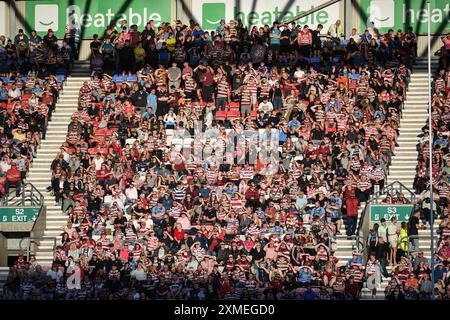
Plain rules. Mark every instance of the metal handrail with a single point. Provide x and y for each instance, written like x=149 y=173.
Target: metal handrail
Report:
x=35 y=240
x=30 y=196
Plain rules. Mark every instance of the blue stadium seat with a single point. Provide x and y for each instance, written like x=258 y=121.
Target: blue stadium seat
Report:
x=131 y=78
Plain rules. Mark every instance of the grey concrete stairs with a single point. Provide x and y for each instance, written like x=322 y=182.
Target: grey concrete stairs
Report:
x=414 y=117
x=403 y=167
x=404 y=162
x=3 y=276
x=40 y=172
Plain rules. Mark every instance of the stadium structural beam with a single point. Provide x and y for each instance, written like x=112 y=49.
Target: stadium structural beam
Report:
x=430 y=138
x=307 y=13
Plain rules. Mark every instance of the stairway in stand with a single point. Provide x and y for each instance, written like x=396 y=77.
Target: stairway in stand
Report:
x=415 y=113
x=404 y=162
x=40 y=173
x=415 y=116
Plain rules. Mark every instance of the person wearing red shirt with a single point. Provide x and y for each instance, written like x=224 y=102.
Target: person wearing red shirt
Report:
x=13 y=178
x=102 y=174
x=304 y=40
x=352 y=205
x=252 y=196
x=178 y=233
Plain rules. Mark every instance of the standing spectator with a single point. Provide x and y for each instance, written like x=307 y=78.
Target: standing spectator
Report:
x=413 y=230
x=382 y=253
x=392 y=235
x=275 y=39
x=174 y=77
x=352 y=206
x=304 y=40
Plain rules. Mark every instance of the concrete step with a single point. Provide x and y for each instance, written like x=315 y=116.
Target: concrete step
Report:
x=410 y=173
x=410 y=129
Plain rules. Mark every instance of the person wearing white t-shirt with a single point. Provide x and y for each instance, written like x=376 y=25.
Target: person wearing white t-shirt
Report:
x=5 y=164
x=147 y=218
x=98 y=161
x=131 y=193
x=355 y=36
x=139 y=273
x=299 y=74
x=265 y=106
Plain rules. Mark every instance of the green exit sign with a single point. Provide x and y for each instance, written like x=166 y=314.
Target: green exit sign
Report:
x=19 y=214
x=401 y=211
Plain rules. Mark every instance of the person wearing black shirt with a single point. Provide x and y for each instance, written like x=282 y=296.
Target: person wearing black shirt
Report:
x=284 y=39
x=257 y=253
x=317 y=133
x=316 y=42
x=95 y=264
x=274 y=119
x=93 y=204
x=140 y=99
x=413 y=230
x=95 y=45
x=50 y=40
x=126 y=58
x=120 y=222
x=167 y=222
x=373 y=144
x=382 y=252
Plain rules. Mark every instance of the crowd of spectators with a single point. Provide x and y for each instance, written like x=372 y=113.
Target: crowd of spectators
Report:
x=36 y=55
x=171 y=182
x=417 y=279
x=31 y=75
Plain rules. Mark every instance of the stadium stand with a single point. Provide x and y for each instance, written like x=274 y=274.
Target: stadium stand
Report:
x=156 y=193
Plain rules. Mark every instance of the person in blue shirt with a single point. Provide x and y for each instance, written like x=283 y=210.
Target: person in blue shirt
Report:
x=318 y=211
x=304 y=276
x=334 y=212
x=301 y=201
x=3 y=93
x=380 y=114
x=147 y=114
x=277 y=229
x=355 y=259
x=204 y=191
x=439 y=271
x=230 y=189
x=152 y=100
x=158 y=211
x=166 y=201
x=338 y=201
x=294 y=124
x=197 y=32
x=275 y=38
x=37 y=89
x=221 y=27
x=366 y=37
x=441 y=142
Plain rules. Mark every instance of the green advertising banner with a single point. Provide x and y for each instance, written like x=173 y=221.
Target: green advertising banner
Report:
x=401 y=14
x=401 y=211
x=93 y=16
x=18 y=214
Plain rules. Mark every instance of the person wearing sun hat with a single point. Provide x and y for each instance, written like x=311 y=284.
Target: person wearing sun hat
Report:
x=355 y=259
